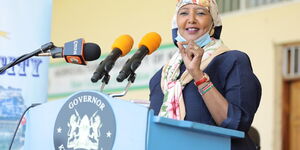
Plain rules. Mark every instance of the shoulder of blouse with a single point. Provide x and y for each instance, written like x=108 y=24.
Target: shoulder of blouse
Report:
x=155 y=78
x=235 y=55
x=229 y=58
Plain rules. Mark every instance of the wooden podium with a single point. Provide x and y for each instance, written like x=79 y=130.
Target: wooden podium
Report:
x=93 y=120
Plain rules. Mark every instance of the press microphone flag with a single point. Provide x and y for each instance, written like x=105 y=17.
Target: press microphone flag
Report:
x=149 y=43
x=76 y=52
x=121 y=46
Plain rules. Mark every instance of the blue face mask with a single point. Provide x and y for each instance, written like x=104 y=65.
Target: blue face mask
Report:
x=201 y=41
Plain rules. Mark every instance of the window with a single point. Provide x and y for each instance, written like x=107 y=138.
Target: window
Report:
x=234 y=5
x=228 y=5
x=254 y=3
x=291 y=62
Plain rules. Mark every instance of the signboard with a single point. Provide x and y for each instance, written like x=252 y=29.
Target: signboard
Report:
x=24 y=27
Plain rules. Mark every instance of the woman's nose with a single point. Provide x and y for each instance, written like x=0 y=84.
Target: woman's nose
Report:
x=192 y=18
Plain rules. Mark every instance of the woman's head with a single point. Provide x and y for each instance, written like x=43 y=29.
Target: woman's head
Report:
x=195 y=18
x=193 y=21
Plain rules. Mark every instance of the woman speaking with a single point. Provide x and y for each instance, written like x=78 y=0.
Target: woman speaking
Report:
x=204 y=81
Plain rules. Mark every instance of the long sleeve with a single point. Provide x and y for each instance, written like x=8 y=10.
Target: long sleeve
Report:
x=242 y=91
x=231 y=73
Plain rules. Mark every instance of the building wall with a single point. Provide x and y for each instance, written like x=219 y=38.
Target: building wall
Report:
x=259 y=32
x=103 y=21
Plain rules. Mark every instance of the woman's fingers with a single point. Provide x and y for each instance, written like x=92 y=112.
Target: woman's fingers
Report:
x=183 y=43
x=183 y=52
x=191 y=54
x=181 y=48
x=191 y=51
x=195 y=49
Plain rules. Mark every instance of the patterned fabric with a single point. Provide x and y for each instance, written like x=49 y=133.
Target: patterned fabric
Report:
x=173 y=102
x=204 y=3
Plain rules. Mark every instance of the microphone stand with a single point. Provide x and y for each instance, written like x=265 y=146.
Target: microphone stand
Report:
x=130 y=81
x=105 y=81
x=43 y=49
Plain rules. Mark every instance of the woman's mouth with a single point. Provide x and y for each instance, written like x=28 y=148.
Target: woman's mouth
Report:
x=192 y=30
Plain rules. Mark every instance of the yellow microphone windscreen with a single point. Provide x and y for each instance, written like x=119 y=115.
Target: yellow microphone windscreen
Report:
x=151 y=40
x=124 y=43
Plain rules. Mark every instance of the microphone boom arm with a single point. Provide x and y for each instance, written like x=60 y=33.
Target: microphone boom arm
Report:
x=43 y=49
x=130 y=81
x=105 y=81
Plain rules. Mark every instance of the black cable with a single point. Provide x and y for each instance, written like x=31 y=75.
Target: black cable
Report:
x=16 y=130
x=12 y=63
x=43 y=48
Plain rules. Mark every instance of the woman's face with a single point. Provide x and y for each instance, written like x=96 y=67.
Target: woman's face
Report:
x=193 y=21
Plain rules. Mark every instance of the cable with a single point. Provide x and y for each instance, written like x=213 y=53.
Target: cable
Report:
x=16 y=130
x=12 y=63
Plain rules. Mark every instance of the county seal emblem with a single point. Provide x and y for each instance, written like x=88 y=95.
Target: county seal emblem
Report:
x=86 y=122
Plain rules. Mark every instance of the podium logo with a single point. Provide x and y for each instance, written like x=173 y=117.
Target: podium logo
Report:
x=85 y=140
x=4 y=34
x=86 y=122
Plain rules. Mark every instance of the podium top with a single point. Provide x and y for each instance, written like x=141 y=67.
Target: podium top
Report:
x=198 y=127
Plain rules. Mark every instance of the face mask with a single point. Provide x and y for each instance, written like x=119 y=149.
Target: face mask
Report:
x=201 y=41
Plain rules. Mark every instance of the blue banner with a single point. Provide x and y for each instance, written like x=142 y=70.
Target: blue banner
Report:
x=24 y=27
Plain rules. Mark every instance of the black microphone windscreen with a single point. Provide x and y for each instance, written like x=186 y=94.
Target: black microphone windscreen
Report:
x=91 y=51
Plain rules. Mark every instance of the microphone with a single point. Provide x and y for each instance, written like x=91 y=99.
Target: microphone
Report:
x=121 y=46
x=76 y=52
x=149 y=43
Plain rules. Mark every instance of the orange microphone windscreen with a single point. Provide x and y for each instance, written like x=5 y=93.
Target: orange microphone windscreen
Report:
x=124 y=43
x=151 y=40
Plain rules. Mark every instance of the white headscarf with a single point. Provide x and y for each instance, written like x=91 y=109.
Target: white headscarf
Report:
x=211 y=5
x=173 y=102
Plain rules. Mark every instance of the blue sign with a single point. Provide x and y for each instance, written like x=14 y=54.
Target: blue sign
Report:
x=86 y=121
x=24 y=27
